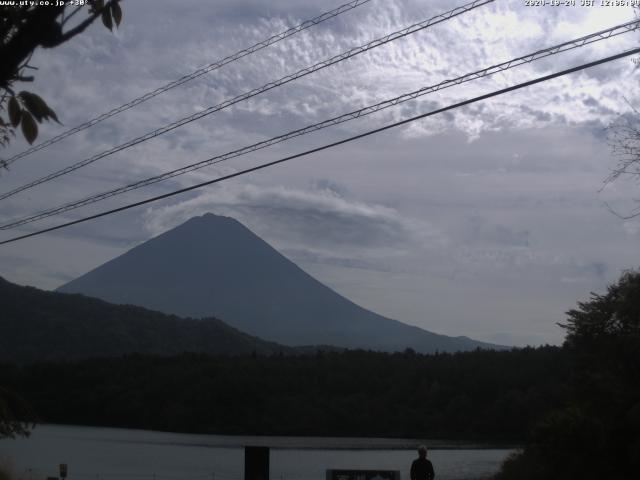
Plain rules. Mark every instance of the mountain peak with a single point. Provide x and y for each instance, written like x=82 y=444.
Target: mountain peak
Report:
x=217 y=218
x=210 y=219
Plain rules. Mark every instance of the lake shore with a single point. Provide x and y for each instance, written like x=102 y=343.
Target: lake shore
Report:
x=100 y=453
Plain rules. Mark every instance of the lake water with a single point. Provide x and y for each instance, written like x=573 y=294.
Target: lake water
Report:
x=117 y=454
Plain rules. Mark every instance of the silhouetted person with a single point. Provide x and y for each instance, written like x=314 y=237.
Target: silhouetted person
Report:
x=421 y=468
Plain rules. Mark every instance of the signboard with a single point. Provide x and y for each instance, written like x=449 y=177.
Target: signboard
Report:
x=363 y=475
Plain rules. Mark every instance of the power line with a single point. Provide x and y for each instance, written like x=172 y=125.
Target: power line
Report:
x=245 y=96
x=543 y=53
x=331 y=145
x=193 y=75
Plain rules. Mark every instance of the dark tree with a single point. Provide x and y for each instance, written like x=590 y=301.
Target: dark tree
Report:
x=16 y=416
x=613 y=316
x=624 y=142
x=23 y=28
x=597 y=434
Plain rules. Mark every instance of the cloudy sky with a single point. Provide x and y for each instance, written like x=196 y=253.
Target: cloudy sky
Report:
x=488 y=221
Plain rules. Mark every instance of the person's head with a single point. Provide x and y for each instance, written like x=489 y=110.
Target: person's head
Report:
x=422 y=451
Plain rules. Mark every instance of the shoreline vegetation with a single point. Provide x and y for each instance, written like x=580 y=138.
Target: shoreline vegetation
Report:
x=595 y=434
x=482 y=396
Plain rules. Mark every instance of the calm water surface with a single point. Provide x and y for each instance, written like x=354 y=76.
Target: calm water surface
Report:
x=118 y=454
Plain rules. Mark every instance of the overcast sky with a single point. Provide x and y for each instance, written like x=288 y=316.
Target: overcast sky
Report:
x=486 y=221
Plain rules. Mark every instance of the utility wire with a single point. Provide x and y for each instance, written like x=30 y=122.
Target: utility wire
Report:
x=331 y=145
x=543 y=53
x=197 y=73
x=245 y=96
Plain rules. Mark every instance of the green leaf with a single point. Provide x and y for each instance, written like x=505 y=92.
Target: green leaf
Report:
x=36 y=105
x=14 y=111
x=116 y=11
x=29 y=127
x=51 y=114
x=106 y=19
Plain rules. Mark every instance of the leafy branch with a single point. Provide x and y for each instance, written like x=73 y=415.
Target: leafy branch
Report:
x=22 y=30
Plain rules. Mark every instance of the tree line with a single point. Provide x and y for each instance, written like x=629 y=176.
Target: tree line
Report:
x=479 y=395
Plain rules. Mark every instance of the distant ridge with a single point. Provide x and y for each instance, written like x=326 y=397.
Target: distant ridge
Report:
x=36 y=325
x=214 y=266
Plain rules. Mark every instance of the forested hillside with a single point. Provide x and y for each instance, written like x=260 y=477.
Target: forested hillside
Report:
x=481 y=395
x=37 y=326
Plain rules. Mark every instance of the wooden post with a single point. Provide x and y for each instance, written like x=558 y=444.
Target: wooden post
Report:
x=256 y=463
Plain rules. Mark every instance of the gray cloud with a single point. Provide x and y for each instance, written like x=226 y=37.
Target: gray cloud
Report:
x=478 y=230
x=319 y=217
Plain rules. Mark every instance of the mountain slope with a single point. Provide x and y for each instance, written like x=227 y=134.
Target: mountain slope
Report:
x=214 y=266
x=37 y=326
